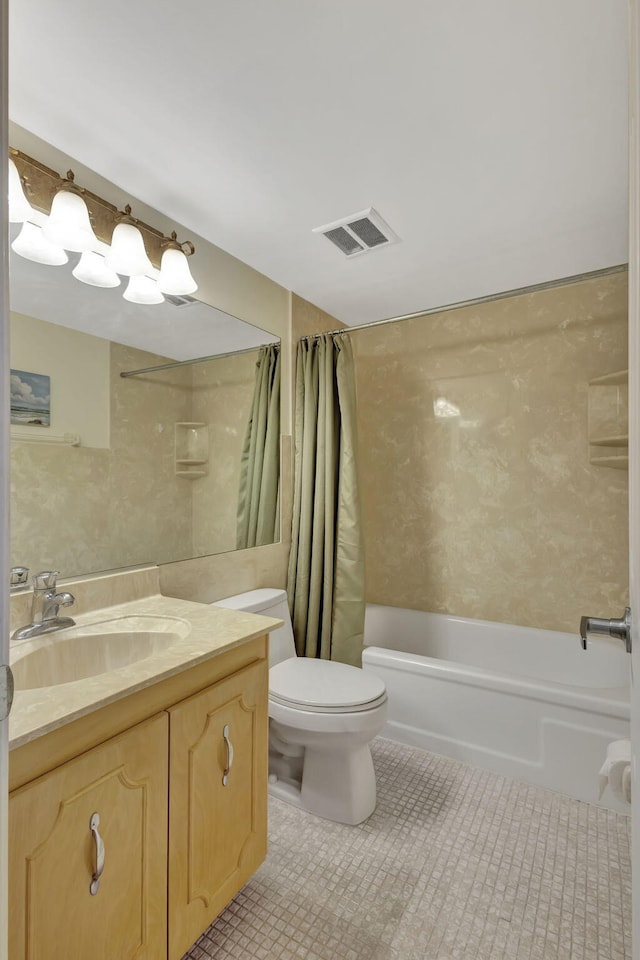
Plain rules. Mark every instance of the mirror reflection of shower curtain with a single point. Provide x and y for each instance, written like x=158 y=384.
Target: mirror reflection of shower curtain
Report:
x=259 y=492
x=326 y=565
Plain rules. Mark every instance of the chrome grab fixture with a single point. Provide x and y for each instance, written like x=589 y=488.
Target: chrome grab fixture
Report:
x=19 y=578
x=227 y=771
x=94 y=823
x=44 y=607
x=618 y=629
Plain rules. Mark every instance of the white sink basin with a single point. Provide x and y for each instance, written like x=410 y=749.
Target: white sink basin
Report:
x=88 y=651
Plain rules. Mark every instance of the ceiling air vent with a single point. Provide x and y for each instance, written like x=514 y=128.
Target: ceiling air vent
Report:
x=359 y=233
x=179 y=301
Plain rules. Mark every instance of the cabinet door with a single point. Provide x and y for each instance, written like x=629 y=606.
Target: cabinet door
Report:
x=217 y=823
x=53 y=854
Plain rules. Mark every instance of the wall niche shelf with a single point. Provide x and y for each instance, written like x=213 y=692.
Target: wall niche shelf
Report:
x=608 y=427
x=620 y=462
x=192 y=449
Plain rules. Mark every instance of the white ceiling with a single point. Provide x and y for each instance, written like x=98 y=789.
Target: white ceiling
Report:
x=491 y=136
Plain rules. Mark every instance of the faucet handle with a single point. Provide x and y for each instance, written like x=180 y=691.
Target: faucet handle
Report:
x=19 y=576
x=45 y=580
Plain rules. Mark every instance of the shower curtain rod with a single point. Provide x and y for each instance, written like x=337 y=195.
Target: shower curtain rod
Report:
x=534 y=288
x=184 y=363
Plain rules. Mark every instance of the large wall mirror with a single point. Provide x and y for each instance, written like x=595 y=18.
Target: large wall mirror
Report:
x=110 y=471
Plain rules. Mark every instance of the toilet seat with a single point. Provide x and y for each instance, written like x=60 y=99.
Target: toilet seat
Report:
x=304 y=724
x=324 y=686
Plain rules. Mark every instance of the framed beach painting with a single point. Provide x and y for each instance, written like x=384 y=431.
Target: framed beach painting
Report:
x=30 y=399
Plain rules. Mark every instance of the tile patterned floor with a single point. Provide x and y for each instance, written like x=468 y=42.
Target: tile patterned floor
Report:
x=454 y=863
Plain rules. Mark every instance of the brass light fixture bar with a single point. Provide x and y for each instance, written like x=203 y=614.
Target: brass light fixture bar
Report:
x=41 y=184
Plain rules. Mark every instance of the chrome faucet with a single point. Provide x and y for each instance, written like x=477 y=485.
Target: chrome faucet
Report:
x=44 y=607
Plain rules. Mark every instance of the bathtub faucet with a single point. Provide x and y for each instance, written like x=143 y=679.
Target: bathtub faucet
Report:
x=618 y=629
x=44 y=607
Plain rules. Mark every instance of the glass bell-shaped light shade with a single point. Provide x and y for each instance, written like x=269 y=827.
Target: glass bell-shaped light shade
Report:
x=127 y=254
x=33 y=245
x=175 y=276
x=143 y=290
x=19 y=207
x=92 y=269
x=68 y=225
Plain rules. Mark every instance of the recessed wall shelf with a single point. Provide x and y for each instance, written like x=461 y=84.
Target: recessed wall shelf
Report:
x=618 y=377
x=609 y=420
x=192 y=449
x=621 y=441
x=620 y=462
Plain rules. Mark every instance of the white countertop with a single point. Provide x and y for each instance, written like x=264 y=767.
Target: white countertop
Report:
x=211 y=631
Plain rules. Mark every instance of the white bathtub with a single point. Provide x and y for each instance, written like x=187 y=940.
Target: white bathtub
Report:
x=522 y=702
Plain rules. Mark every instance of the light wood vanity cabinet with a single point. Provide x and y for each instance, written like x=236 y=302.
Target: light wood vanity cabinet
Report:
x=53 y=853
x=181 y=798
x=218 y=782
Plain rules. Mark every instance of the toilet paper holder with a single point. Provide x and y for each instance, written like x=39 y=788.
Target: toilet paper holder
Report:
x=615 y=772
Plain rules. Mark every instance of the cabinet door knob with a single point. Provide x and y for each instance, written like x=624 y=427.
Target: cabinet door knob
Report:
x=227 y=771
x=94 y=823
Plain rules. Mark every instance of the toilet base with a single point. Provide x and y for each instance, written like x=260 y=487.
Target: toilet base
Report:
x=336 y=785
x=284 y=790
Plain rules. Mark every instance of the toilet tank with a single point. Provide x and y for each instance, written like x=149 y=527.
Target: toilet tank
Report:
x=269 y=602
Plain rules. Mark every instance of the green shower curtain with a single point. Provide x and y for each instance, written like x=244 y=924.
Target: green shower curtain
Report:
x=258 y=519
x=326 y=564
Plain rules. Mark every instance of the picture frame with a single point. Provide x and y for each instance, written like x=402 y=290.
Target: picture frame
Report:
x=30 y=399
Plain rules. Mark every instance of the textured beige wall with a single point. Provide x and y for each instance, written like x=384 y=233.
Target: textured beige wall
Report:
x=83 y=509
x=148 y=505
x=58 y=517
x=307 y=319
x=496 y=512
x=222 y=392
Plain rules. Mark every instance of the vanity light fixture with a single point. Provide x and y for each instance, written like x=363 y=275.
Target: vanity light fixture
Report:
x=68 y=225
x=93 y=270
x=19 y=207
x=127 y=254
x=33 y=245
x=175 y=276
x=143 y=290
x=60 y=216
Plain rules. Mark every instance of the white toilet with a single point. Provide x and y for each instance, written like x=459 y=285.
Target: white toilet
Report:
x=322 y=716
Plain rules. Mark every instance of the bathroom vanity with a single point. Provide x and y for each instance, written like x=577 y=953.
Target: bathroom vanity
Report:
x=138 y=796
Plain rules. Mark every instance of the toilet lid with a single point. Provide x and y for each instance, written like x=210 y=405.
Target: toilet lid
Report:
x=324 y=686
